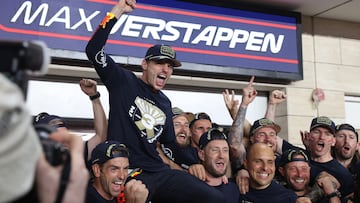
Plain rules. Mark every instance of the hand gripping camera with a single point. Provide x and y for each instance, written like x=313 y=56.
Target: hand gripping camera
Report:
x=19 y=59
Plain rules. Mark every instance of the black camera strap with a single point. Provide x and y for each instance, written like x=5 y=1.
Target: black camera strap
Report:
x=64 y=179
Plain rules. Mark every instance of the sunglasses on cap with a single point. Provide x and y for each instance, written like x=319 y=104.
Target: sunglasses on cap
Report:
x=212 y=134
x=117 y=151
x=288 y=156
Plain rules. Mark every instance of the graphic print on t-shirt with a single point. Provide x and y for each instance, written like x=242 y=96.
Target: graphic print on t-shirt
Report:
x=148 y=118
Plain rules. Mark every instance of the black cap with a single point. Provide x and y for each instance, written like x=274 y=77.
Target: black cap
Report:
x=346 y=126
x=288 y=156
x=108 y=150
x=199 y=116
x=160 y=52
x=264 y=122
x=212 y=134
x=323 y=121
x=44 y=118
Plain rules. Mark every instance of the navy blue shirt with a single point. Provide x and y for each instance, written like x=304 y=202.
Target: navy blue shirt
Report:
x=92 y=196
x=139 y=117
x=337 y=170
x=231 y=191
x=273 y=193
x=182 y=156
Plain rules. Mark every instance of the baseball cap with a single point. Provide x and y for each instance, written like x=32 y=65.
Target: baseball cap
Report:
x=323 y=121
x=160 y=51
x=264 y=122
x=212 y=134
x=108 y=150
x=44 y=118
x=20 y=147
x=179 y=112
x=289 y=156
x=199 y=116
x=346 y=126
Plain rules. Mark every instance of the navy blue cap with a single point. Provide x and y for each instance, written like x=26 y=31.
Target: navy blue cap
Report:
x=47 y=119
x=346 y=126
x=108 y=150
x=199 y=116
x=289 y=156
x=161 y=52
x=323 y=121
x=264 y=122
x=212 y=134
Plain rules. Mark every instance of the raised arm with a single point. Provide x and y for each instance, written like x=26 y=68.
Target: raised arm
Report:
x=95 y=47
x=231 y=103
x=237 y=129
x=275 y=98
x=88 y=86
x=123 y=6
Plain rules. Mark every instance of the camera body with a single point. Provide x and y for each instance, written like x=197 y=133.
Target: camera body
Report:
x=18 y=60
x=55 y=152
x=22 y=58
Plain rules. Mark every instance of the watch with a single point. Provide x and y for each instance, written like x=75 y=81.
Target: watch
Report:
x=336 y=193
x=97 y=95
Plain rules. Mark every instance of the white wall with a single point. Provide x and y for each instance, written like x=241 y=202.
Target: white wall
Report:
x=67 y=100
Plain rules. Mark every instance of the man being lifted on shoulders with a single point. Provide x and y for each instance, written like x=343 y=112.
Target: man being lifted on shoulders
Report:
x=140 y=115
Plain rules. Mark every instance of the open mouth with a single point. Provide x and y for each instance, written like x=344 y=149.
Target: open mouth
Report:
x=299 y=180
x=118 y=182
x=321 y=144
x=181 y=135
x=162 y=77
x=116 y=185
x=263 y=175
x=220 y=164
x=346 y=148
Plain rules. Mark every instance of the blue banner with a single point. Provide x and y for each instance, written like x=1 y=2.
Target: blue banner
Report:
x=200 y=34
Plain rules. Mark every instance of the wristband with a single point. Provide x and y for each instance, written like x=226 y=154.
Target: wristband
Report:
x=336 y=193
x=106 y=19
x=97 y=95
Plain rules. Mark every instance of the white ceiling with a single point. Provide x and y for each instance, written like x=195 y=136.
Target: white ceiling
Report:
x=347 y=10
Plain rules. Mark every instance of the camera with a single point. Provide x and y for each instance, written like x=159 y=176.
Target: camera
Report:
x=19 y=59
x=55 y=152
x=22 y=58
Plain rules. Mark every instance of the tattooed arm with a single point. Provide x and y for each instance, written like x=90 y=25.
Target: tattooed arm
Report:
x=237 y=129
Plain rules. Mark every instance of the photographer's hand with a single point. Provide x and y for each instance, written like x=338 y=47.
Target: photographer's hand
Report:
x=48 y=177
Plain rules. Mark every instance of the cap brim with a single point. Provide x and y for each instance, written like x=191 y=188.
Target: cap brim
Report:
x=277 y=128
x=323 y=126
x=174 y=62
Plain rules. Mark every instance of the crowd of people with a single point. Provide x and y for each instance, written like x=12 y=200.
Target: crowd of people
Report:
x=149 y=151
